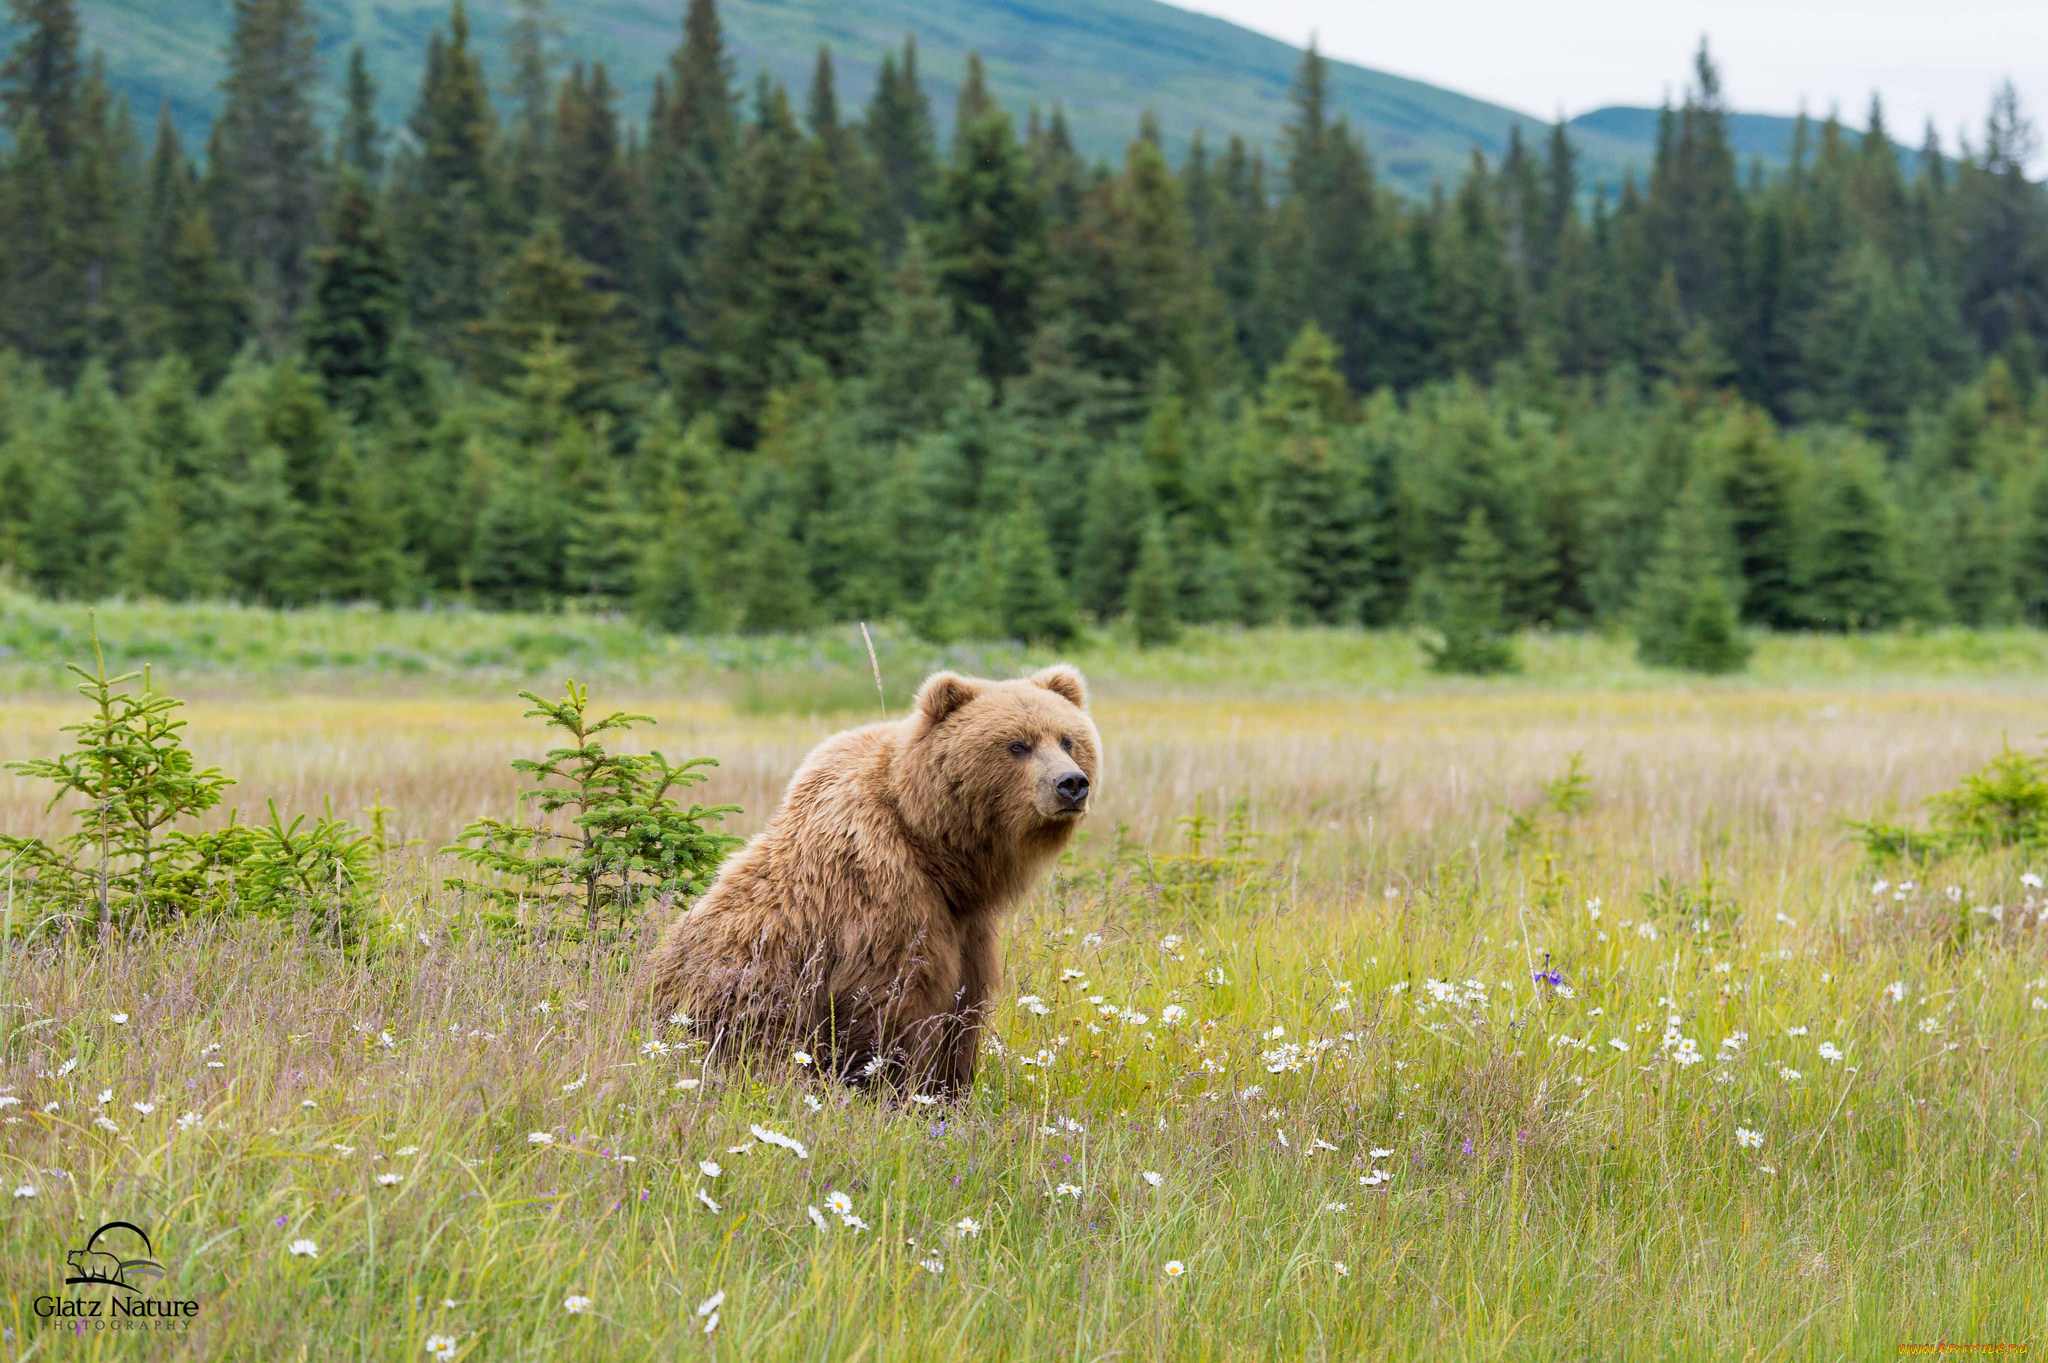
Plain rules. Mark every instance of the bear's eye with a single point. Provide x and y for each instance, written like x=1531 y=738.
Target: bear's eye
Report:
x=1066 y=744
x=1019 y=748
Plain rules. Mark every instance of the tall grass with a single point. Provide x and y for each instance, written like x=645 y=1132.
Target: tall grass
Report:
x=1217 y=1010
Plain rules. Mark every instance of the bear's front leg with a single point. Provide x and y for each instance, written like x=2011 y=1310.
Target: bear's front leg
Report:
x=980 y=968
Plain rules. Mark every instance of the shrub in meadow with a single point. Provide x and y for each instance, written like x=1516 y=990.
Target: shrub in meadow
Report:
x=133 y=780
x=2002 y=805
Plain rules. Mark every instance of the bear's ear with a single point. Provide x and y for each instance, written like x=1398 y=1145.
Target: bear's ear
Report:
x=942 y=694
x=1064 y=679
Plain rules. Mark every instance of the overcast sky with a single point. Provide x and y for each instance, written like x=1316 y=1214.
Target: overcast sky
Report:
x=1928 y=59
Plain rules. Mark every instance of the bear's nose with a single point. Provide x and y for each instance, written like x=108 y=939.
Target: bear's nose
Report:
x=1073 y=788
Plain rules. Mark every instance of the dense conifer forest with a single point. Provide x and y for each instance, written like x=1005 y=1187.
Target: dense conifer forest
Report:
x=752 y=360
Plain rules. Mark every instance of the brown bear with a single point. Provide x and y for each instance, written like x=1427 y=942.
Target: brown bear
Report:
x=862 y=924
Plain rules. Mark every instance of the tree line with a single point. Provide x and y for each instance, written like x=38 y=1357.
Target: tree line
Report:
x=736 y=366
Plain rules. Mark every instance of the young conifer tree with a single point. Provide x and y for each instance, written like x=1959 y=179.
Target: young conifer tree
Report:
x=1686 y=615
x=1153 y=601
x=1470 y=615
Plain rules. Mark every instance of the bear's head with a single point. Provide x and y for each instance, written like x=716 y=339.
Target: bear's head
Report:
x=1011 y=763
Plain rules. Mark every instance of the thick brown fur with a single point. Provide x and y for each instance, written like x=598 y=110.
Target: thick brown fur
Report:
x=863 y=923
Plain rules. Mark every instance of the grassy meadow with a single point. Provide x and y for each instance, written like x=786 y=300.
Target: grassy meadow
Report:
x=1272 y=1075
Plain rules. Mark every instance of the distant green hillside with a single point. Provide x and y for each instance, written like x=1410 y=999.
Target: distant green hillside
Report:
x=1105 y=61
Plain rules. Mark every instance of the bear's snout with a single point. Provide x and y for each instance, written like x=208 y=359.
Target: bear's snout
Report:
x=1072 y=790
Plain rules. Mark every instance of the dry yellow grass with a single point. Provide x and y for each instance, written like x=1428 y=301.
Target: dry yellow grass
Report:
x=1544 y=1198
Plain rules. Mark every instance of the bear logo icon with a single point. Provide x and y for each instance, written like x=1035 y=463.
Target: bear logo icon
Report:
x=100 y=1268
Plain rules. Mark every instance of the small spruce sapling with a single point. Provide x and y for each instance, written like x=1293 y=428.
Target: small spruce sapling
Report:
x=134 y=780
x=627 y=836
x=133 y=777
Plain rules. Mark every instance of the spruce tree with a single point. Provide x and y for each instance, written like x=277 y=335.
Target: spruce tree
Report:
x=1852 y=574
x=1030 y=597
x=920 y=370
x=1755 y=487
x=260 y=522
x=43 y=111
x=360 y=144
x=821 y=107
x=2001 y=225
x=529 y=142
x=1059 y=173
x=899 y=134
x=1116 y=509
x=515 y=563
x=1979 y=581
x=1469 y=615
x=1243 y=258
x=353 y=544
x=157 y=560
x=1685 y=615
x=90 y=490
x=445 y=200
x=1334 y=250
x=1712 y=641
x=692 y=141
x=1153 y=601
x=774 y=590
x=601 y=551
x=1322 y=519
x=41 y=79
x=172 y=552
x=960 y=599
x=789 y=275
x=100 y=206
x=188 y=301
x=1559 y=202
x=593 y=191
x=1479 y=296
x=1322 y=526
x=2031 y=569
x=1125 y=281
x=358 y=305
x=1693 y=214
x=990 y=239
x=202 y=310
x=544 y=296
x=265 y=171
